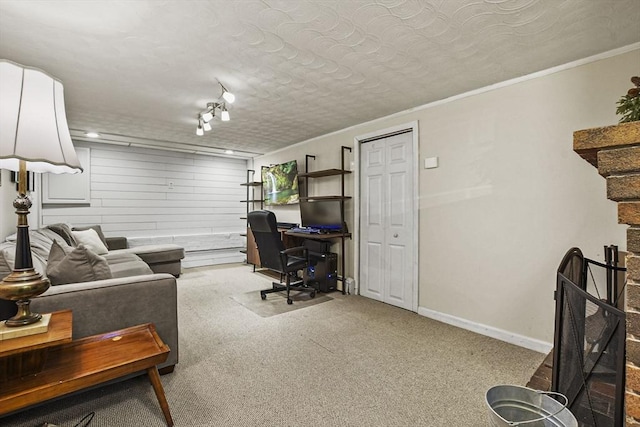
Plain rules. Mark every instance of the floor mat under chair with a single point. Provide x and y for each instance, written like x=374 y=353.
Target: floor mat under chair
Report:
x=276 y=303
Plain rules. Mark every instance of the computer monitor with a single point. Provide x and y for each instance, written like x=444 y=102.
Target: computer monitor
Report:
x=321 y=214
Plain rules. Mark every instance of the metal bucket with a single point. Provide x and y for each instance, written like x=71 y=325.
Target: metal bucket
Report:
x=513 y=405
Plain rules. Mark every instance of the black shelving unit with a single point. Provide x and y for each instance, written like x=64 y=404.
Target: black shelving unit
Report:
x=306 y=176
x=251 y=202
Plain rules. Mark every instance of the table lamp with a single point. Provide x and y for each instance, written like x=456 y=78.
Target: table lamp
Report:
x=34 y=137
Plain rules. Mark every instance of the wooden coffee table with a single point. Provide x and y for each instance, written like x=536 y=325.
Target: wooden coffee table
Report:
x=90 y=361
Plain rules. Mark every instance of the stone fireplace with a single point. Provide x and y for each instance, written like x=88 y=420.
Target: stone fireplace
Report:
x=615 y=152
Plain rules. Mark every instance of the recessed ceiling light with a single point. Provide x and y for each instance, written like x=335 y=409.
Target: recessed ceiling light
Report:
x=92 y=134
x=228 y=151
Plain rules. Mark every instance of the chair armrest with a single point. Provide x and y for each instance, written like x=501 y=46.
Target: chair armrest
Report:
x=114 y=243
x=284 y=257
x=289 y=251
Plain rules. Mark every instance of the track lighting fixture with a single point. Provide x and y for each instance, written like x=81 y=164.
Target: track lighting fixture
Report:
x=206 y=116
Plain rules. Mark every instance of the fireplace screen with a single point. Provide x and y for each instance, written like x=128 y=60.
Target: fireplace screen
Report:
x=588 y=365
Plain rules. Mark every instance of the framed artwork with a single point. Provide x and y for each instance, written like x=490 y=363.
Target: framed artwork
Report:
x=31 y=180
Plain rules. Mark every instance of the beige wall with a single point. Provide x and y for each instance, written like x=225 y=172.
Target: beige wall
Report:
x=508 y=199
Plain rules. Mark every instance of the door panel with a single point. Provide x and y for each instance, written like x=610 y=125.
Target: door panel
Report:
x=397 y=191
x=374 y=280
x=397 y=276
x=374 y=205
x=387 y=223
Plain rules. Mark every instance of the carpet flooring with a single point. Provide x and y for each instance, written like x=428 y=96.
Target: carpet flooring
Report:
x=345 y=361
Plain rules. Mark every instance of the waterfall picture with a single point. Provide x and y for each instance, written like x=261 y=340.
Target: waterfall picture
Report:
x=280 y=184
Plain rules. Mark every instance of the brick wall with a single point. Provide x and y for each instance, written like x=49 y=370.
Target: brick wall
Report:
x=615 y=151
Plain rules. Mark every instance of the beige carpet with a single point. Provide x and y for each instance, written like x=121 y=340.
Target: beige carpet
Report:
x=348 y=361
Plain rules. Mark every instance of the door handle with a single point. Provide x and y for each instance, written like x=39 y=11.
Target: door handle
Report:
x=395 y=235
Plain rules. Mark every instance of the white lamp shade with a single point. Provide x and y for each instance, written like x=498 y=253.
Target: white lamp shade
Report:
x=206 y=117
x=229 y=97
x=33 y=122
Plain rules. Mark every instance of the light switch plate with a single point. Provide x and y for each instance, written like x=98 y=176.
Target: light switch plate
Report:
x=431 y=162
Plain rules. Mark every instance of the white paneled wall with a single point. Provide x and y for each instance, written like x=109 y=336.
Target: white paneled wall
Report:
x=153 y=196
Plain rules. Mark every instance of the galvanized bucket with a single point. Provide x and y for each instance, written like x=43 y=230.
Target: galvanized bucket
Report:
x=513 y=405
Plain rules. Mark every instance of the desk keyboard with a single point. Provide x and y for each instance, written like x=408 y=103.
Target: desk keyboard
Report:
x=306 y=230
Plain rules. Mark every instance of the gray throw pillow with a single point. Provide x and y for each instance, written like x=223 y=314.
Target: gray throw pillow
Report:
x=64 y=231
x=77 y=266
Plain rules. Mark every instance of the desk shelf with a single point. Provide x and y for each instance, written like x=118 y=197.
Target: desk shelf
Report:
x=323 y=173
x=311 y=198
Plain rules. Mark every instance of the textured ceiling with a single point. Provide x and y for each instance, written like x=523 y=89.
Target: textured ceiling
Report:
x=299 y=69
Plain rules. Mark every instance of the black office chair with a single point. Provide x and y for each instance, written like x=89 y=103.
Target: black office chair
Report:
x=274 y=256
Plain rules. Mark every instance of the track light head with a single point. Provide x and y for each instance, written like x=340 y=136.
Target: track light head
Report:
x=199 y=129
x=207 y=126
x=228 y=96
x=210 y=113
x=224 y=114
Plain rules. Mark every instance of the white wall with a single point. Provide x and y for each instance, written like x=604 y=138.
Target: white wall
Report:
x=154 y=196
x=509 y=198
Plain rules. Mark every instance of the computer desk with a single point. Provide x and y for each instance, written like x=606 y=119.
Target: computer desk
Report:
x=328 y=236
x=318 y=236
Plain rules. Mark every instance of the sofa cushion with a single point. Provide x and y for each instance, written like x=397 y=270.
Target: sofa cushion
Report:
x=40 y=240
x=156 y=254
x=91 y=240
x=8 y=258
x=5 y=258
x=7 y=309
x=64 y=231
x=77 y=266
x=126 y=264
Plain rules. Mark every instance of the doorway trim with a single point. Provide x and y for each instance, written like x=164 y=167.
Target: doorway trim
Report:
x=357 y=141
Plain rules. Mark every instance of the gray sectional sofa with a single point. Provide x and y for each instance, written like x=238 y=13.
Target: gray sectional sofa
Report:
x=142 y=288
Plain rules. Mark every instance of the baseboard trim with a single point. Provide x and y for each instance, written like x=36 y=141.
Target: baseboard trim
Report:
x=499 y=334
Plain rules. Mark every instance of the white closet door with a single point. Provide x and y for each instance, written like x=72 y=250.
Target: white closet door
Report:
x=387 y=220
